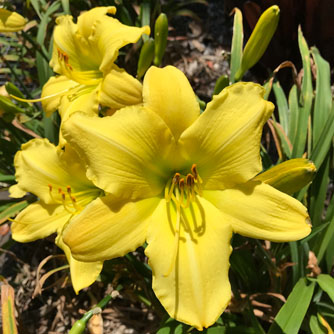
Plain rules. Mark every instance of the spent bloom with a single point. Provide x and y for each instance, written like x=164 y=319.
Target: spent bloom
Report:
x=57 y=178
x=183 y=182
x=11 y=21
x=84 y=55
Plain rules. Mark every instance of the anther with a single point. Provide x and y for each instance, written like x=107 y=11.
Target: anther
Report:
x=176 y=178
x=190 y=180
x=194 y=171
x=68 y=188
x=50 y=187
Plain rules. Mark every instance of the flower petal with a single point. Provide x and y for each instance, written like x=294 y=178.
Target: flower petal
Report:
x=84 y=99
x=107 y=229
x=167 y=92
x=55 y=89
x=11 y=21
x=258 y=210
x=196 y=290
x=224 y=142
x=120 y=89
x=83 y=274
x=125 y=153
x=87 y=20
x=38 y=221
x=110 y=35
x=39 y=164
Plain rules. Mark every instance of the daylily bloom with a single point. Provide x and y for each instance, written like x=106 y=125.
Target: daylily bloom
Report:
x=11 y=21
x=182 y=182
x=84 y=56
x=58 y=180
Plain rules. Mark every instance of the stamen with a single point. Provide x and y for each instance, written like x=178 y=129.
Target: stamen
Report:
x=68 y=188
x=176 y=242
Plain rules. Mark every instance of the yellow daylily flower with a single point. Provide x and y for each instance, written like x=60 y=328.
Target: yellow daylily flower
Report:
x=182 y=182
x=11 y=21
x=83 y=55
x=58 y=180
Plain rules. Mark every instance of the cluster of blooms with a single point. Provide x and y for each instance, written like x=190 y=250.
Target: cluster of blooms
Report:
x=154 y=170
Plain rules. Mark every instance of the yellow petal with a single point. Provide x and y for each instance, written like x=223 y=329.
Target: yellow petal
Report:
x=120 y=89
x=110 y=35
x=258 y=210
x=55 y=89
x=83 y=99
x=224 y=142
x=11 y=21
x=38 y=221
x=197 y=289
x=125 y=153
x=167 y=92
x=39 y=164
x=289 y=176
x=107 y=229
x=83 y=274
x=87 y=20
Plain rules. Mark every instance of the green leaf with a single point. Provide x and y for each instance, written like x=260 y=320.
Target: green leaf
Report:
x=221 y=83
x=282 y=105
x=324 y=142
x=306 y=99
x=12 y=210
x=294 y=112
x=237 y=44
x=315 y=326
x=326 y=283
x=323 y=96
x=291 y=315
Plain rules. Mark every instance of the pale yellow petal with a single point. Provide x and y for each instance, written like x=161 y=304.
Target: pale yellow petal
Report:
x=83 y=99
x=167 y=92
x=38 y=221
x=125 y=154
x=40 y=165
x=224 y=142
x=196 y=288
x=54 y=90
x=258 y=210
x=120 y=89
x=83 y=274
x=108 y=228
x=110 y=35
x=11 y=21
x=87 y=20
x=73 y=55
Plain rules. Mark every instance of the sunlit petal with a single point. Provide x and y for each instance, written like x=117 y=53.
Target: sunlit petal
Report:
x=108 y=228
x=83 y=274
x=120 y=89
x=54 y=90
x=167 y=92
x=11 y=21
x=196 y=289
x=224 y=142
x=87 y=20
x=40 y=165
x=133 y=146
x=38 y=221
x=258 y=210
x=110 y=35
